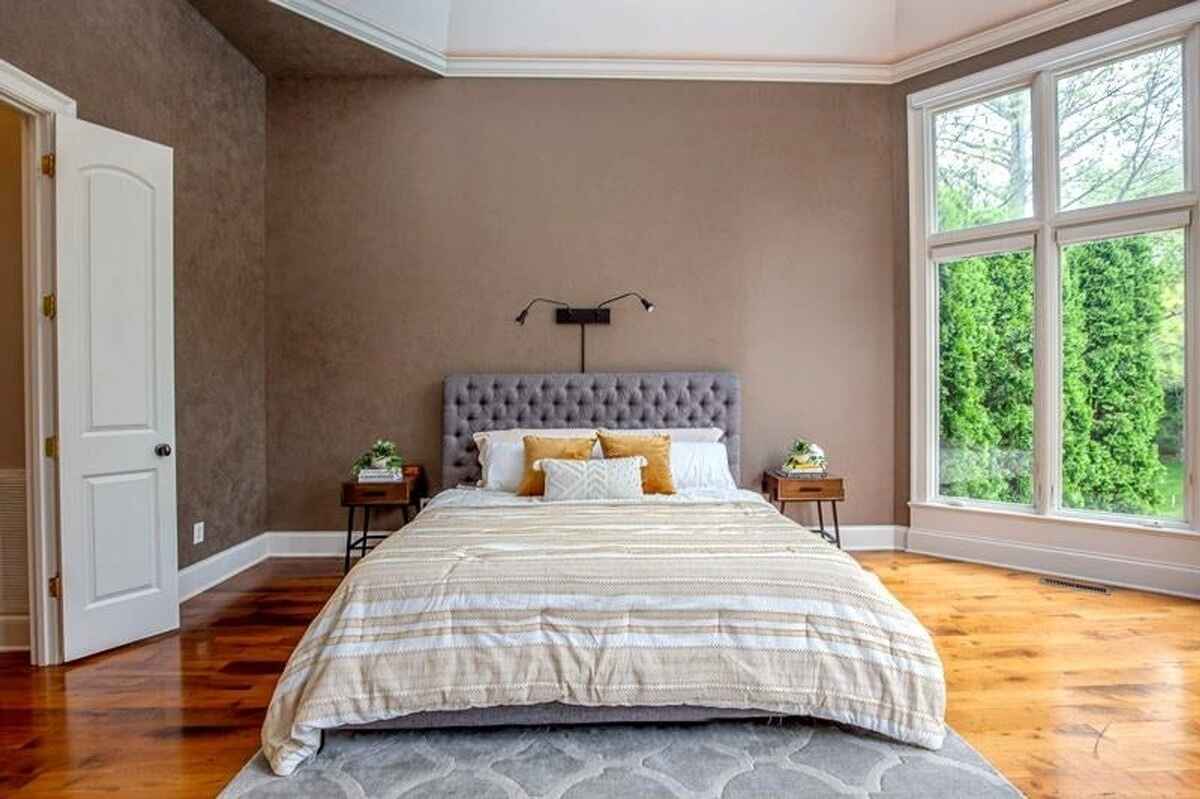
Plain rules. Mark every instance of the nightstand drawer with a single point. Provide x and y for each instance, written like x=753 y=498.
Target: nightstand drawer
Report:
x=802 y=489
x=376 y=493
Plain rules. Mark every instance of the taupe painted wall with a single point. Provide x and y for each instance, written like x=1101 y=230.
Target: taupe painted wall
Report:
x=12 y=337
x=409 y=221
x=899 y=122
x=157 y=69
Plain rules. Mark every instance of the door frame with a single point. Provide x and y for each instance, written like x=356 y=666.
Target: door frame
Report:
x=39 y=103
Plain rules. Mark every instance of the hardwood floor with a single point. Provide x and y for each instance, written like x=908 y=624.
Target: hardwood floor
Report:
x=1069 y=694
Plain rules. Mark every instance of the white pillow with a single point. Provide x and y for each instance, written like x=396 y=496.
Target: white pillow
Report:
x=696 y=464
x=709 y=434
x=485 y=439
x=505 y=466
x=608 y=478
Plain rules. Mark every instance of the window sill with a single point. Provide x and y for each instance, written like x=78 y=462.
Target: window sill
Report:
x=1108 y=523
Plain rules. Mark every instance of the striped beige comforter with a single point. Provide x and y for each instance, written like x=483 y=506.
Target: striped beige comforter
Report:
x=712 y=603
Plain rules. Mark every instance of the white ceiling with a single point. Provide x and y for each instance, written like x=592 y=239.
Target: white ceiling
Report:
x=878 y=41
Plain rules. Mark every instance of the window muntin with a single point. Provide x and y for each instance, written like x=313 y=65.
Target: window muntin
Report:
x=983 y=154
x=985 y=377
x=1121 y=131
x=1123 y=375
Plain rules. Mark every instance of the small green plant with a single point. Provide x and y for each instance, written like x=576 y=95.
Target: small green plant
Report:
x=382 y=455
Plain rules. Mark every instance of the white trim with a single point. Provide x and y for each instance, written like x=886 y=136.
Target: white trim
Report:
x=666 y=69
x=873 y=537
x=1066 y=56
x=40 y=104
x=1126 y=226
x=1126 y=572
x=218 y=568
x=477 y=65
x=1031 y=25
x=389 y=41
x=307 y=544
x=1143 y=207
x=980 y=247
x=30 y=95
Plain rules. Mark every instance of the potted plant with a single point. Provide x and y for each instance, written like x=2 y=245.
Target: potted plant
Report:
x=382 y=455
x=805 y=457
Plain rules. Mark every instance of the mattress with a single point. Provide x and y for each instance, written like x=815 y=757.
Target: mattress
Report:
x=698 y=600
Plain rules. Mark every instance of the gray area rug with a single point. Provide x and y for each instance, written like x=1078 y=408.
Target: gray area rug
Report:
x=727 y=759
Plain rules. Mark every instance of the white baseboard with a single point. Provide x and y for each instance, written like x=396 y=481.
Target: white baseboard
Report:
x=1145 y=575
x=218 y=568
x=306 y=543
x=14 y=633
x=868 y=537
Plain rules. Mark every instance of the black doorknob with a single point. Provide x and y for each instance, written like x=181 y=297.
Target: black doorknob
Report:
x=162 y=450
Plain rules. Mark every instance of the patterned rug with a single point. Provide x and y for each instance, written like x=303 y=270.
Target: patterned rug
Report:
x=726 y=759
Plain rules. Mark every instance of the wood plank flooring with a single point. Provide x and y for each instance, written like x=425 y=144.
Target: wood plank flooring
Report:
x=1069 y=694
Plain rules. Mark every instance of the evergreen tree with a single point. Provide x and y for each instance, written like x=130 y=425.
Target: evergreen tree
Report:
x=1113 y=396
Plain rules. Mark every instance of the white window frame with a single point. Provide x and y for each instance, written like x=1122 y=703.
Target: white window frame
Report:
x=1041 y=72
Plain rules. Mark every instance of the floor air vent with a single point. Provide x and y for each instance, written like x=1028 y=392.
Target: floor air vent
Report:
x=1075 y=585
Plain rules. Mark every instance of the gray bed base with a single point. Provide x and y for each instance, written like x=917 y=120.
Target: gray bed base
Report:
x=617 y=400
x=558 y=713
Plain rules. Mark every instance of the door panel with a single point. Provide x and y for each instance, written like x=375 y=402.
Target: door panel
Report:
x=124 y=560
x=120 y=290
x=115 y=337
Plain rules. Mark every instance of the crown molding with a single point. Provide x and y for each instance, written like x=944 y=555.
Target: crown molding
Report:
x=665 y=69
x=999 y=36
x=420 y=53
x=466 y=65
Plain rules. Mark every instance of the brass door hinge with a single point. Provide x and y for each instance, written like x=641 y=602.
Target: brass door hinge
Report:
x=51 y=447
x=56 y=587
x=50 y=306
x=48 y=164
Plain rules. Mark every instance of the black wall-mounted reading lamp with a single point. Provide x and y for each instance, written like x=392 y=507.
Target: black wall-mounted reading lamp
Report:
x=564 y=314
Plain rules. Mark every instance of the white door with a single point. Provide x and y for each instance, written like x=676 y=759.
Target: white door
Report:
x=116 y=378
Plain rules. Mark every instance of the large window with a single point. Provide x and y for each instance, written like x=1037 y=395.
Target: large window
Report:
x=1053 y=255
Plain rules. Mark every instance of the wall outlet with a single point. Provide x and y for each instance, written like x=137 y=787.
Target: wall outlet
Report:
x=198 y=533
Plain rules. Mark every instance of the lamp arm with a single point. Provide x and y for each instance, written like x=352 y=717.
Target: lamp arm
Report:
x=621 y=297
x=520 y=320
x=536 y=300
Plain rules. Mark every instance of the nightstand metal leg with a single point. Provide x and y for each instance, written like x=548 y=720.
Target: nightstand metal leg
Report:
x=837 y=528
x=820 y=520
x=349 y=537
x=366 y=529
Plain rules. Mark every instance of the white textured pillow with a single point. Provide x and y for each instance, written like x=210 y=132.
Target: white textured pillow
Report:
x=607 y=478
x=696 y=464
x=505 y=466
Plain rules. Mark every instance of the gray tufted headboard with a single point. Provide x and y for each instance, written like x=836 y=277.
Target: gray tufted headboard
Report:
x=630 y=400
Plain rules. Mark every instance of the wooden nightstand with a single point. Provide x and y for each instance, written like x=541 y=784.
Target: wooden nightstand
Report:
x=403 y=495
x=808 y=489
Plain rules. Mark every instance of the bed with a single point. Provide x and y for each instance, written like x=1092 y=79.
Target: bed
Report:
x=490 y=608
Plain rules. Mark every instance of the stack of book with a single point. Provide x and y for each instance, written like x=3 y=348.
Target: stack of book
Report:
x=814 y=472
x=381 y=476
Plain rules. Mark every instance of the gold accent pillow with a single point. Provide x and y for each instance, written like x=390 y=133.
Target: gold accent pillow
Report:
x=533 y=482
x=656 y=449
